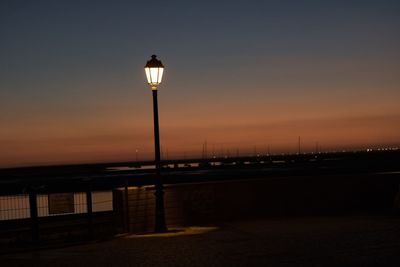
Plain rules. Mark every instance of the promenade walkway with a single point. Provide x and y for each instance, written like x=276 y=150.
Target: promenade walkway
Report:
x=305 y=241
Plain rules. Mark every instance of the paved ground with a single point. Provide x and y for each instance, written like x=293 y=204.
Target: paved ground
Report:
x=307 y=241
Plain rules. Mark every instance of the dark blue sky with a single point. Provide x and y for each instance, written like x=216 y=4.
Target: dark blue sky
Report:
x=69 y=64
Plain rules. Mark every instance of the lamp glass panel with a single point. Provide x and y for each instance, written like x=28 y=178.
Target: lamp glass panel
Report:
x=154 y=75
x=147 y=70
x=160 y=74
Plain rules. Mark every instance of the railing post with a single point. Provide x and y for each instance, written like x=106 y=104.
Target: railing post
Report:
x=89 y=206
x=33 y=215
x=126 y=204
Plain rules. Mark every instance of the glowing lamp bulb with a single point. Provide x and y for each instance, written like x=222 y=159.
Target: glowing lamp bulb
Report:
x=154 y=71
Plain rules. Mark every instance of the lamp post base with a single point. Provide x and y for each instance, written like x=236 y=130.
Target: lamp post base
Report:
x=160 y=224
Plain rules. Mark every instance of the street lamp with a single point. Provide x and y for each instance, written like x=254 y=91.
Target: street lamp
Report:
x=154 y=71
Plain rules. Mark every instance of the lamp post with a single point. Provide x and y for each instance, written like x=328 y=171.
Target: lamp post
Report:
x=154 y=71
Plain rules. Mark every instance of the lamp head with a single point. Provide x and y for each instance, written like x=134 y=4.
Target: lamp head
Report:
x=154 y=71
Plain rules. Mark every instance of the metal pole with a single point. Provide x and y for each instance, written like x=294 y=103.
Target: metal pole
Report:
x=160 y=225
x=33 y=215
x=126 y=204
x=89 y=206
x=299 y=145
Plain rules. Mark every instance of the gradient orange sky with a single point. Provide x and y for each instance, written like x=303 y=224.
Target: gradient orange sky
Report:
x=238 y=76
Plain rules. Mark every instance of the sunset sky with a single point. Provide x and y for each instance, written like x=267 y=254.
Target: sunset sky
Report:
x=239 y=74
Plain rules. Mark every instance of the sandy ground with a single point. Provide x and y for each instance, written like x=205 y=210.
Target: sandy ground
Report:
x=306 y=241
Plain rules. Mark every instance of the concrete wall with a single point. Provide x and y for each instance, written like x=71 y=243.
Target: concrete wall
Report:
x=203 y=203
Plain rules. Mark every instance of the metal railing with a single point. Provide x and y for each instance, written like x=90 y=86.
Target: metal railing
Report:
x=14 y=207
x=30 y=217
